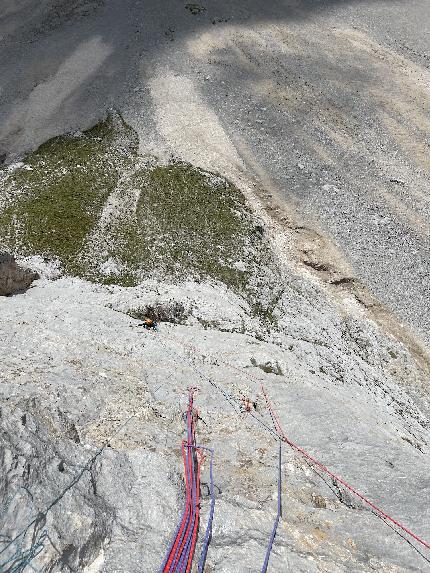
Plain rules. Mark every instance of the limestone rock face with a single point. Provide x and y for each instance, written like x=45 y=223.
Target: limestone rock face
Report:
x=13 y=278
x=91 y=424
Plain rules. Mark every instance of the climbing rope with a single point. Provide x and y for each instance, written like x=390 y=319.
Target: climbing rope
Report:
x=338 y=479
x=279 y=512
x=208 y=533
x=21 y=558
x=279 y=434
x=179 y=557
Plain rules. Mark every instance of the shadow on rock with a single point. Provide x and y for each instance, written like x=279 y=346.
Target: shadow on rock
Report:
x=13 y=278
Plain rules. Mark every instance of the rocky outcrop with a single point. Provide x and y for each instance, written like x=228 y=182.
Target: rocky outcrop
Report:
x=91 y=424
x=13 y=278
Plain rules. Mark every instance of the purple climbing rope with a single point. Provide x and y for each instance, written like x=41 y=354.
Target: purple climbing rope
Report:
x=208 y=533
x=279 y=513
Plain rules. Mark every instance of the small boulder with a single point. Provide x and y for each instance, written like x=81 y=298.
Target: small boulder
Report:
x=13 y=278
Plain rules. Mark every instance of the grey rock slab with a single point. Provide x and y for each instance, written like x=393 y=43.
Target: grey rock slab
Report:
x=77 y=372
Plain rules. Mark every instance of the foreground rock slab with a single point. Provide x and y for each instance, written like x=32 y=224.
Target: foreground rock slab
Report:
x=89 y=396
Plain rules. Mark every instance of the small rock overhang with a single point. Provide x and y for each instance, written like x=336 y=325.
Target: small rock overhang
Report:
x=13 y=278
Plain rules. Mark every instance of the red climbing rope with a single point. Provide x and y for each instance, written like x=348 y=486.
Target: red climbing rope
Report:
x=280 y=433
x=378 y=510
x=179 y=558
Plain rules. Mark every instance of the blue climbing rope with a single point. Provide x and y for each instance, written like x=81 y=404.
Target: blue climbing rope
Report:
x=21 y=558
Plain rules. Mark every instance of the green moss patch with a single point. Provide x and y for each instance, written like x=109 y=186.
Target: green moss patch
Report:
x=92 y=202
x=56 y=198
x=186 y=224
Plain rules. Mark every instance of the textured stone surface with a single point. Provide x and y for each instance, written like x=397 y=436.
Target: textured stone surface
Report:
x=75 y=368
x=13 y=278
x=319 y=109
x=324 y=104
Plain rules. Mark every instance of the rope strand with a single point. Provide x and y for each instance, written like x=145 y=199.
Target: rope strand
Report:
x=179 y=557
x=337 y=478
x=279 y=513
